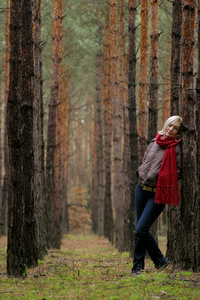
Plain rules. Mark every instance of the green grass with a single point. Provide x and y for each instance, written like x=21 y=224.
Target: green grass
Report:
x=91 y=268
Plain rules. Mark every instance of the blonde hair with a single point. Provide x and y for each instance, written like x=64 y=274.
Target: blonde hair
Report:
x=169 y=121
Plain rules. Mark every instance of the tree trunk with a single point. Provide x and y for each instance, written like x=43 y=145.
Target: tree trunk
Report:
x=175 y=56
x=166 y=94
x=6 y=179
x=1 y=216
x=100 y=158
x=58 y=167
x=85 y=162
x=126 y=166
x=123 y=94
x=95 y=177
x=174 y=222
x=117 y=130
x=65 y=146
x=153 y=87
x=108 y=210
x=52 y=120
x=143 y=77
x=59 y=139
x=22 y=243
x=197 y=209
x=188 y=111
x=132 y=163
x=38 y=142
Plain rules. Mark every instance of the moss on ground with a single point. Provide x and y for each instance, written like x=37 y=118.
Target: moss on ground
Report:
x=88 y=267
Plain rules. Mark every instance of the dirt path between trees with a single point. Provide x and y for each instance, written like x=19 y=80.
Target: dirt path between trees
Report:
x=85 y=242
x=78 y=242
x=3 y=242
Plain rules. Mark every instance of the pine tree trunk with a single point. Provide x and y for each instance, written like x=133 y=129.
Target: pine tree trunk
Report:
x=52 y=120
x=22 y=243
x=165 y=94
x=153 y=87
x=1 y=221
x=133 y=141
x=143 y=77
x=100 y=158
x=6 y=179
x=95 y=177
x=59 y=140
x=126 y=165
x=188 y=108
x=66 y=83
x=123 y=94
x=58 y=166
x=174 y=223
x=108 y=210
x=38 y=142
x=117 y=130
x=197 y=208
x=175 y=56
x=85 y=162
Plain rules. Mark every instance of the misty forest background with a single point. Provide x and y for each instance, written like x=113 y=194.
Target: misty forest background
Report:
x=84 y=86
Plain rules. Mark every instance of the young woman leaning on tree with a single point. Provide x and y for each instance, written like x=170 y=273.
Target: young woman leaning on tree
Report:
x=158 y=186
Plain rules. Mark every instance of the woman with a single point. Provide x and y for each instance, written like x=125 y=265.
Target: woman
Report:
x=158 y=186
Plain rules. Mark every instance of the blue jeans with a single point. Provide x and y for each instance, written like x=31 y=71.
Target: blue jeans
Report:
x=147 y=211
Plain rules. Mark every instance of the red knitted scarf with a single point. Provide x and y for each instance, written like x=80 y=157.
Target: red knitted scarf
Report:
x=167 y=185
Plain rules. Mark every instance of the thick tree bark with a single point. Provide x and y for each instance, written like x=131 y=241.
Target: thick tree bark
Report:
x=1 y=216
x=174 y=223
x=59 y=139
x=117 y=130
x=188 y=111
x=132 y=160
x=52 y=120
x=175 y=56
x=38 y=142
x=153 y=85
x=197 y=208
x=62 y=151
x=126 y=165
x=143 y=77
x=123 y=94
x=165 y=94
x=108 y=210
x=6 y=179
x=22 y=243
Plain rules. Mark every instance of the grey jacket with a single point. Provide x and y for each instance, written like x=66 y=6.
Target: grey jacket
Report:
x=151 y=163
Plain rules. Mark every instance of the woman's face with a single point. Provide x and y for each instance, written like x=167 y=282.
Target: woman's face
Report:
x=173 y=129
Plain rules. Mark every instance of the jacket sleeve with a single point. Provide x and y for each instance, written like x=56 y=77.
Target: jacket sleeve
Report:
x=145 y=154
x=147 y=150
x=178 y=160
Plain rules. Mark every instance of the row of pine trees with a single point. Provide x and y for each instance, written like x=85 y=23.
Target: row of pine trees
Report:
x=99 y=141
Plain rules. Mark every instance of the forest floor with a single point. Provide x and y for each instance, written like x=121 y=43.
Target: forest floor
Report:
x=88 y=267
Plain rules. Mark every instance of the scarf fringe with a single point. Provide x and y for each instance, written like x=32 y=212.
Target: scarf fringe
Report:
x=167 y=195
